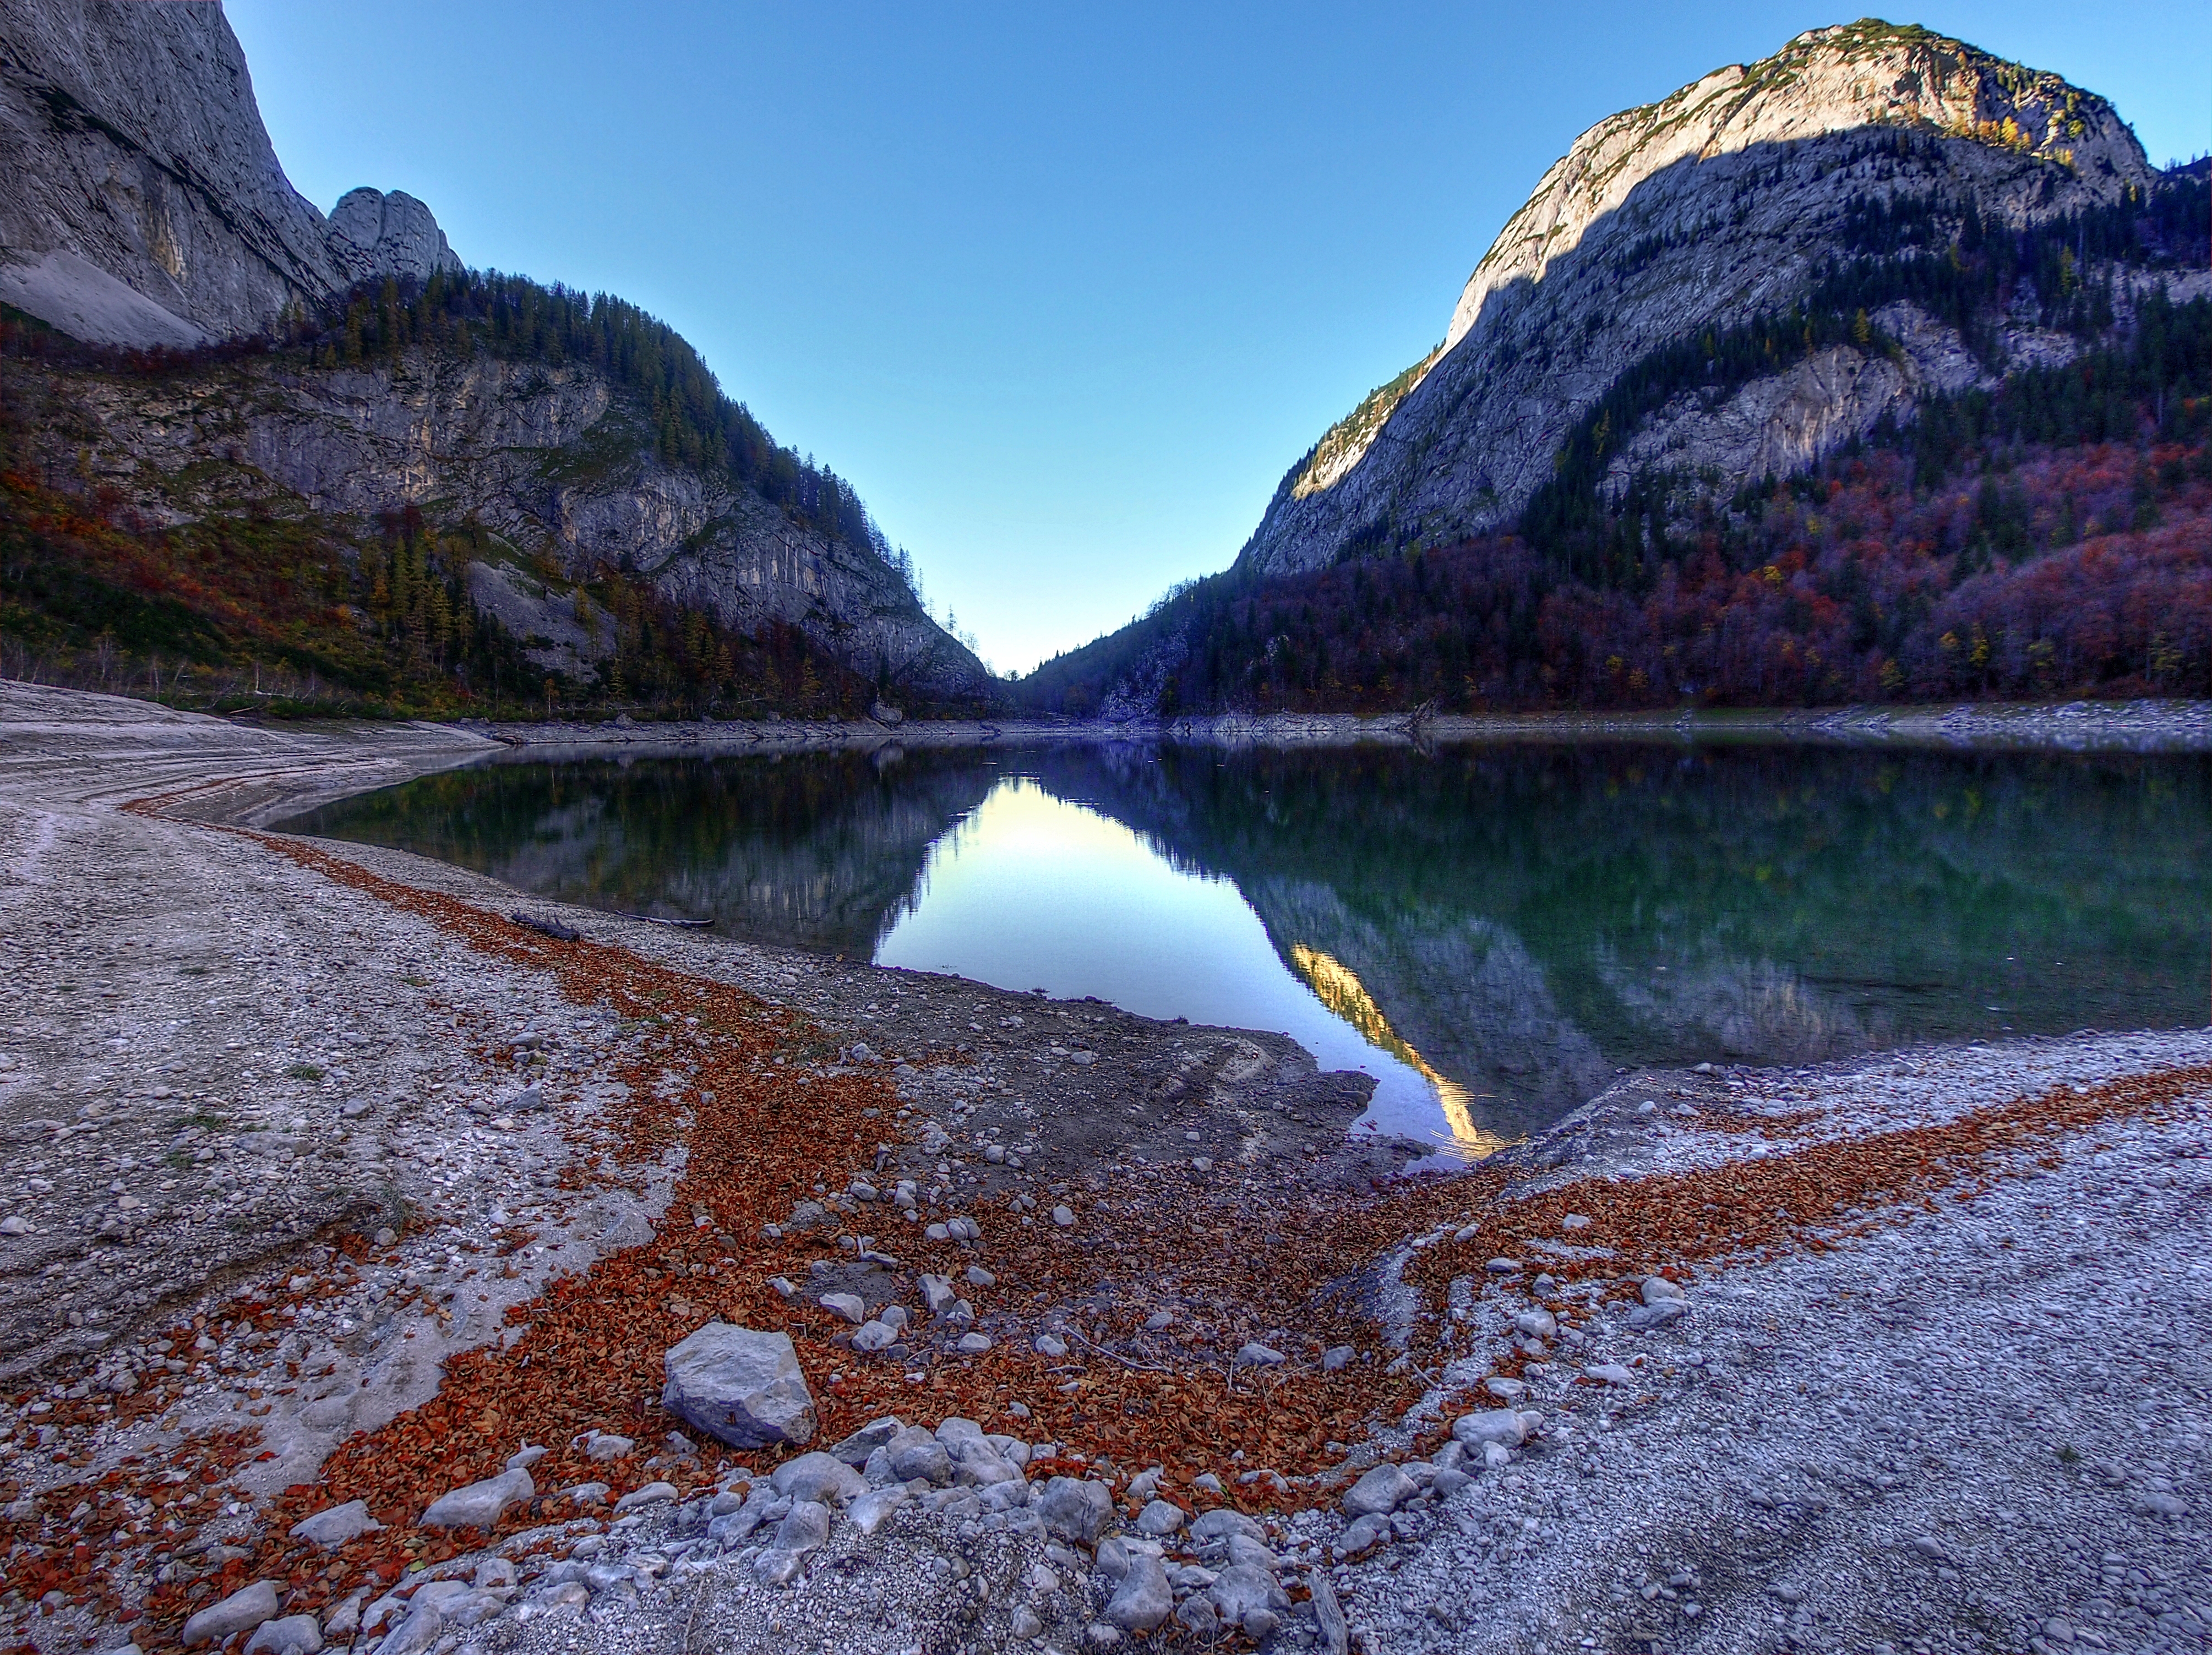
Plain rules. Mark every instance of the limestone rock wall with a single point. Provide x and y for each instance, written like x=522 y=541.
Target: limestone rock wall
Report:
x=1708 y=209
x=141 y=203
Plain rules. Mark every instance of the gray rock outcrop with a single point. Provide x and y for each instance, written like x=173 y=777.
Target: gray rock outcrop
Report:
x=1708 y=209
x=142 y=202
x=738 y=1385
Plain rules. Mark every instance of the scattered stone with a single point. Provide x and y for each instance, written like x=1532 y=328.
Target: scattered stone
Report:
x=294 y=1635
x=1381 y=1491
x=1063 y=1215
x=1247 y=1596
x=1076 y=1510
x=1050 y=1344
x=478 y=1504
x=244 y=1609
x=1610 y=1374
x=1491 y=1424
x=878 y=1433
x=1336 y=1357
x=973 y=1344
x=653 y=1494
x=740 y=1385
x=818 y=1477
x=607 y=1445
x=850 y=1306
x=1256 y=1355
x=1537 y=1325
x=1160 y=1518
x=337 y=1525
x=1656 y=1288
x=1143 y=1599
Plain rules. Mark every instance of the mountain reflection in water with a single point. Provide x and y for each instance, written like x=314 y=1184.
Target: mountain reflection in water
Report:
x=1490 y=930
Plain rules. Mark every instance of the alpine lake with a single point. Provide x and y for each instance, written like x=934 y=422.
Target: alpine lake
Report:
x=1490 y=930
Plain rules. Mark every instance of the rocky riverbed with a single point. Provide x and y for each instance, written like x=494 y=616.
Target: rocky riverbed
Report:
x=352 y=1217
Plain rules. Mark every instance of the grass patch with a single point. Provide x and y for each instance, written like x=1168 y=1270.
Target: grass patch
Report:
x=303 y=1072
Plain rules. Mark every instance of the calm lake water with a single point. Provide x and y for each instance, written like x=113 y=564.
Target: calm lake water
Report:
x=1489 y=931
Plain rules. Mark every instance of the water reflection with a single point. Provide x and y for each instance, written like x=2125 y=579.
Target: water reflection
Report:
x=1490 y=930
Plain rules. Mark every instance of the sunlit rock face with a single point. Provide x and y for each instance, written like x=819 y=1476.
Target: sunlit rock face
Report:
x=1711 y=208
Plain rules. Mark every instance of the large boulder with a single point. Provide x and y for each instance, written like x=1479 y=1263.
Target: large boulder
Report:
x=741 y=1385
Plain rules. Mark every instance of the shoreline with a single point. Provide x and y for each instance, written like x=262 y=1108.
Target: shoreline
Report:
x=2069 y=726
x=188 y=976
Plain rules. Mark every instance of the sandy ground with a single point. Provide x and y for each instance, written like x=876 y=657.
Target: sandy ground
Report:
x=329 y=1180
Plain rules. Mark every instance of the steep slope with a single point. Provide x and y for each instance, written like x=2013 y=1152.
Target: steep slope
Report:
x=1714 y=206
x=142 y=203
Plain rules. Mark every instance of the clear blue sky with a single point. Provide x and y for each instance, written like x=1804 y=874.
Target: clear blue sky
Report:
x=1062 y=290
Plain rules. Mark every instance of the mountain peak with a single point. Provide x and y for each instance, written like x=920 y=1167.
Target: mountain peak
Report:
x=1842 y=78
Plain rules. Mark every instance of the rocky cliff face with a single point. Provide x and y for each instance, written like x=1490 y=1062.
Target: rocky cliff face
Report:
x=141 y=203
x=554 y=460
x=1714 y=206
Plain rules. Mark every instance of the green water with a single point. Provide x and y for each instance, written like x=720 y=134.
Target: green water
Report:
x=1498 y=927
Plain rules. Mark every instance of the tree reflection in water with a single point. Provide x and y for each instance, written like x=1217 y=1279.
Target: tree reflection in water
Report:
x=1513 y=921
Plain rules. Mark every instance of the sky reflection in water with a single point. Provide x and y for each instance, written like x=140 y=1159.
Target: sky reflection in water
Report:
x=1029 y=891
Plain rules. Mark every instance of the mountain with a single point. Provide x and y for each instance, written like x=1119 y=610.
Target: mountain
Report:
x=207 y=380
x=1781 y=265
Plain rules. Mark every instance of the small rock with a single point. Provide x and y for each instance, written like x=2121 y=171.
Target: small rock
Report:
x=653 y=1494
x=1381 y=1491
x=1247 y=1596
x=937 y=1293
x=1025 y=1624
x=870 y=1510
x=1256 y=1355
x=1656 y=1288
x=15 y=1224
x=1504 y=1266
x=605 y=1445
x=1610 y=1374
x=1076 y=1510
x=335 y=1525
x=1051 y=1345
x=973 y=1344
x=1362 y=1536
x=1222 y=1524
x=872 y=1337
x=1537 y=1325
x=1063 y=1215
x=1490 y=1425
x=1503 y=1389
x=478 y=1504
x=819 y=1477
x=294 y=1635
x=850 y=1306
x=245 y=1609
x=979 y=1278
x=804 y=1528
x=1160 y=1518
x=915 y=1452
x=1334 y=1359
x=878 y=1433
x=1574 y=1222
x=1143 y=1599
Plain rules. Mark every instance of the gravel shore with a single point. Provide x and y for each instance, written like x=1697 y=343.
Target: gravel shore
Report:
x=333 y=1182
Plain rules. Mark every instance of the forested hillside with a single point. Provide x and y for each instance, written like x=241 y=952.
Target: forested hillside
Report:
x=2045 y=530
x=253 y=598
